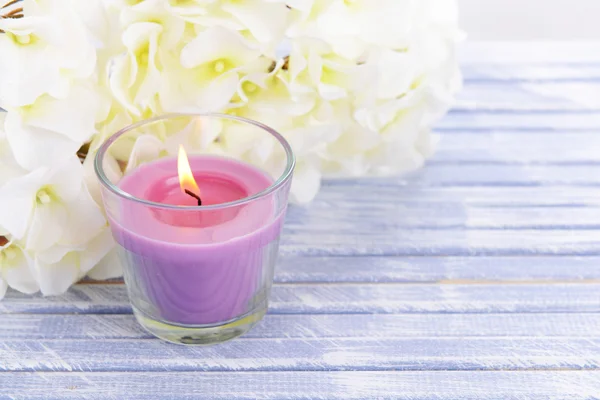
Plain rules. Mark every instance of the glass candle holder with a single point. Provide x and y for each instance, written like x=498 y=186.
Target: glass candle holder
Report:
x=198 y=263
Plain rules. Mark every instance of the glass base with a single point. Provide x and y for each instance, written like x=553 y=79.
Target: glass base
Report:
x=200 y=335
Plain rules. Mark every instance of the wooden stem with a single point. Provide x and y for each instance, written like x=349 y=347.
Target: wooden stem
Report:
x=10 y=3
x=12 y=14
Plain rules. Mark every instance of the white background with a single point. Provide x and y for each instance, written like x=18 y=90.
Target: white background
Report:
x=550 y=20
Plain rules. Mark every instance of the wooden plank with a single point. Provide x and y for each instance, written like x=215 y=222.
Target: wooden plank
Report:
x=349 y=298
x=510 y=52
x=102 y=327
x=552 y=96
x=428 y=385
x=502 y=74
x=501 y=175
x=515 y=147
x=352 y=215
x=318 y=354
x=451 y=242
x=435 y=269
x=524 y=121
x=487 y=175
x=395 y=192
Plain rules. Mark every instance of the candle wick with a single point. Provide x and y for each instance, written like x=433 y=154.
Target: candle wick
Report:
x=194 y=195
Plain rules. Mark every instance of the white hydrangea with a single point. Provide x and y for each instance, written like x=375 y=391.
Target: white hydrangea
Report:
x=355 y=87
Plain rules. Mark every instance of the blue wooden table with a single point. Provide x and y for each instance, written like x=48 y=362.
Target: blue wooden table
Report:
x=477 y=277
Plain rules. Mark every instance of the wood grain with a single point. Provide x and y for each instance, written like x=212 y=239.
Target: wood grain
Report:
x=530 y=72
x=318 y=354
x=517 y=147
x=435 y=269
x=546 y=96
x=386 y=217
x=524 y=121
x=99 y=327
x=399 y=193
x=351 y=298
x=428 y=385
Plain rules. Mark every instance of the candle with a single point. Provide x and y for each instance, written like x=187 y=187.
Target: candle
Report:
x=197 y=274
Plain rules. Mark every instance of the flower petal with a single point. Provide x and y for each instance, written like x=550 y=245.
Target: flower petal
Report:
x=265 y=20
x=55 y=278
x=57 y=115
x=146 y=148
x=17 y=271
x=218 y=93
x=35 y=147
x=95 y=251
x=3 y=287
x=306 y=183
x=84 y=220
x=217 y=43
x=46 y=227
x=65 y=178
x=17 y=202
x=108 y=267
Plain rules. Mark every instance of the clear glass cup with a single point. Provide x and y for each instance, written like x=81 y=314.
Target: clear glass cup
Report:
x=197 y=274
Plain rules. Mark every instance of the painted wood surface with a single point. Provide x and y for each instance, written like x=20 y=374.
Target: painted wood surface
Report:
x=311 y=326
x=476 y=277
x=295 y=354
x=305 y=385
x=354 y=298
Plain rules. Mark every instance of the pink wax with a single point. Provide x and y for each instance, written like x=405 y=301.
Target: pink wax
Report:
x=195 y=266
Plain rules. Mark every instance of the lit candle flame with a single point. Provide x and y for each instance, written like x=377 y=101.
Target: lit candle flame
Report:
x=186 y=178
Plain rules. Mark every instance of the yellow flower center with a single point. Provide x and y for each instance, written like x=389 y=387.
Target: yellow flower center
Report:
x=24 y=39
x=43 y=197
x=9 y=254
x=249 y=87
x=219 y=66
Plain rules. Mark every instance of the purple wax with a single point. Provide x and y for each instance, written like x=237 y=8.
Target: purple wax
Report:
x=195 y=266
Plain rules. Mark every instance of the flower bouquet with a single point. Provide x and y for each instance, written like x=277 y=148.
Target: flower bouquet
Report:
x=354 y=86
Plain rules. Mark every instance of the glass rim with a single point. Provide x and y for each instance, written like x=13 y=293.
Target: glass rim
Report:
x=277 y=184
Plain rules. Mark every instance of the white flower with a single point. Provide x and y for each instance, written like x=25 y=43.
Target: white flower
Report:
x=16 y=268
x=108 y=267
x=52 y=129
x=401 y=125
x=190 y=9
x=9 y=166
x=59 y=267
x=42 y=52
x=103 y=24
x=50 y=206
x=212 y=66
x=260 y=21
x=396 y=72
x=117 y=120
x=352 y=26
x=136 y=78
x=313 y=66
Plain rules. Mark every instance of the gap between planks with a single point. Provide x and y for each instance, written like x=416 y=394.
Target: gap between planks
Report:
x=412 y=283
